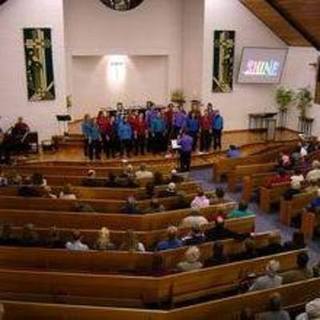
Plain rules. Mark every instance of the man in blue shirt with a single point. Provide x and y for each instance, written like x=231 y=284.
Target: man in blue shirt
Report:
x=172 y=242
x=125 y=135
x=217 y=128
x=186 y=143
x=94 y=140
x=158 y=131
x=193 y=126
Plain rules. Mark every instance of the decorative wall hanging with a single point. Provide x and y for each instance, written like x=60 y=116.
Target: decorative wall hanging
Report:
x=317 y=94
x=39 y=64
x=122 y=5
x=223 y=61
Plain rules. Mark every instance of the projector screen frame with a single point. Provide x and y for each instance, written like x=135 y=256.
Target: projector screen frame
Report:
x=264 y=48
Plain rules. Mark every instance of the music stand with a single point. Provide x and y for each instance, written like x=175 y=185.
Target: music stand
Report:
x=63 y=120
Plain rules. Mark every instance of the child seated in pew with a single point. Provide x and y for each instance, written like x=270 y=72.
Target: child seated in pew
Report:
x=131 y=243
x=200 y=200
x=76 y=243
x=312 y=311
x=29 y=237
x=131 y=206
x=195 y=237
x=172 y=241
x=67 y=193
x=301 y=273
x=275 y=310
x=218 y=257
x=192 y=260
x=270 y=280
x=195 y=218
x=241 y=212
x=103 y=242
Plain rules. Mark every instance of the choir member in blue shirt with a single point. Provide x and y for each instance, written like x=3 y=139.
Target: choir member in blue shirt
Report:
x=217 y=128
x=185 y=143
x=125 y=135
x=193 y=126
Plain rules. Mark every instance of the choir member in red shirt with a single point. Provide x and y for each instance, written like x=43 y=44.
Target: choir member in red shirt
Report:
x=206 y=132
x=140 y=129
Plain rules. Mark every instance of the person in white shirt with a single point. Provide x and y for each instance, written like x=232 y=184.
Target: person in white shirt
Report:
x=303 y=151
x=314 y=174
x=143 y=173
x=297 y=176
x=312 y=311
x=76 y=243
x=200 y=201
x=67 y=193
x=194 y=219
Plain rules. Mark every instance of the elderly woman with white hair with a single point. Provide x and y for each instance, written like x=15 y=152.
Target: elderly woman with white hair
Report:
x=314 y=174
x=270 y=280
x=103 y=241
x=312 y=311
x=192 y=260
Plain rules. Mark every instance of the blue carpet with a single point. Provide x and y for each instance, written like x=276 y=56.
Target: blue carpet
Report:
x=264 y=222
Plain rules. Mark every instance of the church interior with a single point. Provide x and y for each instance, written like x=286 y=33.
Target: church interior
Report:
x=160 y=159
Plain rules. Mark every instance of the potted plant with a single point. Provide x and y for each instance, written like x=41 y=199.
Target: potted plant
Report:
x=284 y=97
x=304 y=100
x=178 y=96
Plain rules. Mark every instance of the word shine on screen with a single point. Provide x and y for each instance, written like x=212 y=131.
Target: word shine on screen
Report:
x=262 y=65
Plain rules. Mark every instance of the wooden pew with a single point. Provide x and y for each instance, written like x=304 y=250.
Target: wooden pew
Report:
x=112 y=261
x=119 y=290
x=273 y=195
x=149 y=238
x=79 y=220
x=113 y=193
x=222 y=309
x=291 y=208
x=239 y=172
x=99 y=205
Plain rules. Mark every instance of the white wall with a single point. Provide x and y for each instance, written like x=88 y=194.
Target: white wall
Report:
x=146 y=78
x=154 y=28
x=299 y=74
x=14 y=16
x=235 y=106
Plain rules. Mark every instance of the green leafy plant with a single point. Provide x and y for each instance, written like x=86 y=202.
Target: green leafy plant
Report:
x=304 y=100
x=284 y=97
x=178 y=96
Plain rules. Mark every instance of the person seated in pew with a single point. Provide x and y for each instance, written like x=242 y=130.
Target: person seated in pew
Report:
x=131 y=206
x=150 y=190
x=47 y=193
x=312 y=186
x=250 y=251
x=131 y=243
x=191 y=261
x=103 y=242
x=3 y=180
x=219 y=232
x=175 y=177
x=274 y=246
x=155 y=206
x=296 y=243
x=92 y=181
x=281 y=177
x=29 y=237
x=241 y=212
x=284 y=161
x=170 y=191
x=233 y=152
x=172 y=241
x=195 y=218
x=83 y=207
x=218 y=257
x=143 y=173
x=312 y=311
x=315 y=203
x=314 y=174
x=297 y=176
x=14 y=178
x=111 y=182
x=7 y=237
x=295 y=188
x=28 y=190
x=126 y=181
x=270 y=280
x=67 y=193
x=275 y=310
x=218 y=197
x=76 y=243
x=301 y=273
x=200 y=200
x=195 y=237
x=54 y=240
x=38 y=180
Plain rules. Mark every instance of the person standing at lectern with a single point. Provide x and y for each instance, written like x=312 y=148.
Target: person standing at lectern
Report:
x=217 y=128
x=185 y=143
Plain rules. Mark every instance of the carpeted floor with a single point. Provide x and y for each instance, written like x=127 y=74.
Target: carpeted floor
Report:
x=264 y=222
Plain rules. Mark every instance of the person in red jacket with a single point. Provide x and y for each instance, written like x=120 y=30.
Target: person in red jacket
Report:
x=206 y=132
x=102 y=122
x=140 y=129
